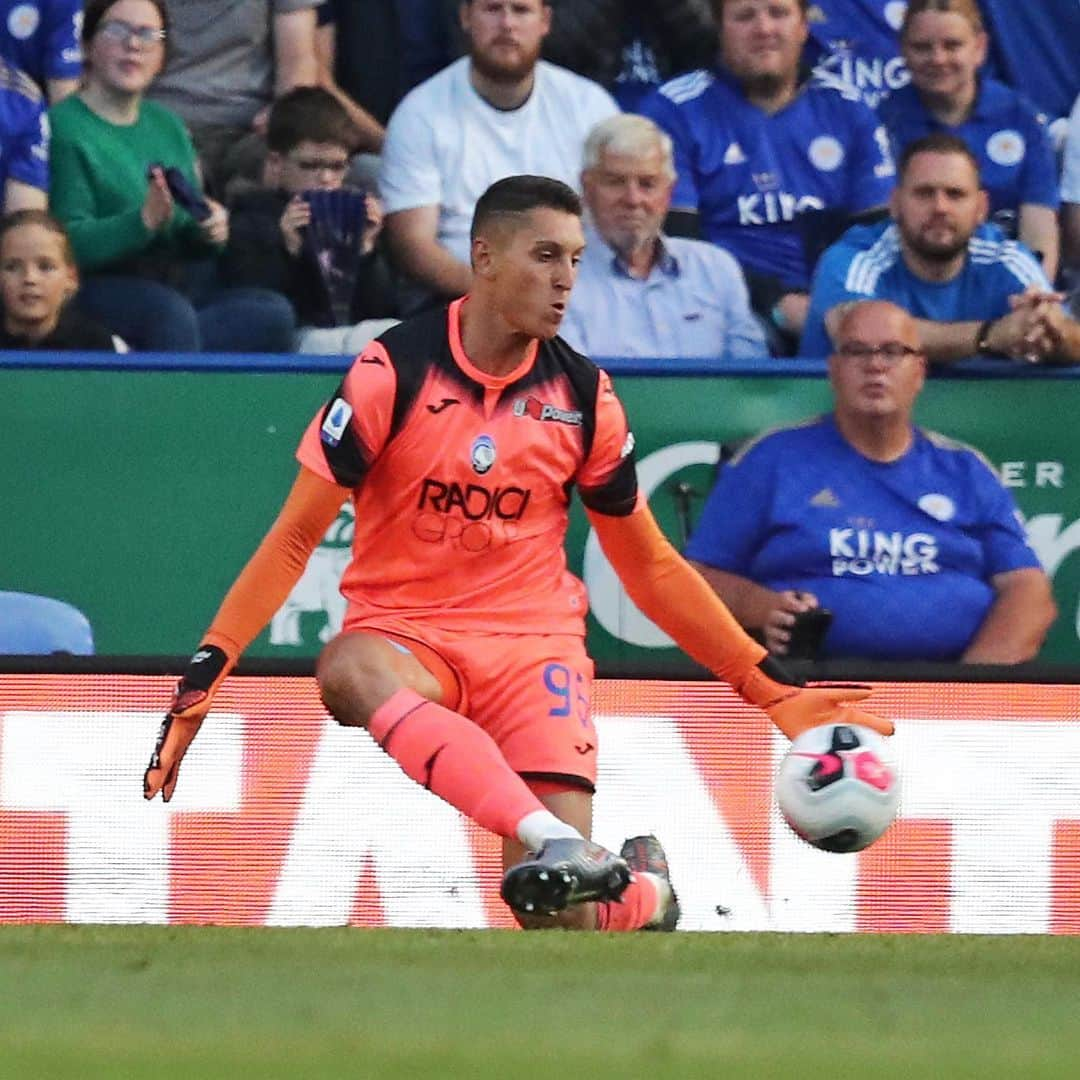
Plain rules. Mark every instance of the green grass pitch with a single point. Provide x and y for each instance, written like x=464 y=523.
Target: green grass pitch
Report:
x=122 y=1002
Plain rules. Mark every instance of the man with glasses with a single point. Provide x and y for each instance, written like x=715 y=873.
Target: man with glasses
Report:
x=907 y=537
x=939 y=261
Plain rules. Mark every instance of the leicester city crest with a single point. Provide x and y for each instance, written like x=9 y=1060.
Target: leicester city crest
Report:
x=482 y=453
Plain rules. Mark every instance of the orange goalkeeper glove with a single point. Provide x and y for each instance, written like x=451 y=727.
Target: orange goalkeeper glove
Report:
x=794 y=708
x=191 y=702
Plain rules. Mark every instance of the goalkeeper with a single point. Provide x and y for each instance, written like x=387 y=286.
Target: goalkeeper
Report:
x=459 y=435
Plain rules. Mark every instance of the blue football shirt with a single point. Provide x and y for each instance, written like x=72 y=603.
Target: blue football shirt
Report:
x=902 y=553
x=24 y=130
x=1035 y=46
x=752 y=176
x=42 y=37
x=1006 y=134
x=866 y=264
x=855 y=46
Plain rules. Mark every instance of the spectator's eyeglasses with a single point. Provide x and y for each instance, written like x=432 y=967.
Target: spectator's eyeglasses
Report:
x=122 y=32
x=317 y=165
x=891 y=352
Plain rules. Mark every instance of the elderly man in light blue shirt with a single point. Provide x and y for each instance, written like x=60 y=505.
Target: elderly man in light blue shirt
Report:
x=641 y=294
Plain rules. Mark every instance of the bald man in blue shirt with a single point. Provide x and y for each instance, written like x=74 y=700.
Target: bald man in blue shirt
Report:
x=906 y=536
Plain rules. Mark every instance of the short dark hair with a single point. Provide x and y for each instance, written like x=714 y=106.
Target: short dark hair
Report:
x=939 y=142
x=96 y=10
x=517 y=195
x=308 y=114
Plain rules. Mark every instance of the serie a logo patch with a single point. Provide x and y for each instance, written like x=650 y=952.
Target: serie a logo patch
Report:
x=337 y=420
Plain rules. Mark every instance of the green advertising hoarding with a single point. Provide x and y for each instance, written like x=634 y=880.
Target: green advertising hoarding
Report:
x=137 y=495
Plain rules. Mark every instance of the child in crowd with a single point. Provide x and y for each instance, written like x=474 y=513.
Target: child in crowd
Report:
x=38 y=278
x=273 y=243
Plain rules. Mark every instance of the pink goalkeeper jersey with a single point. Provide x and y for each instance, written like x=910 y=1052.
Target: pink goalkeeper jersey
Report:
x=461 y=480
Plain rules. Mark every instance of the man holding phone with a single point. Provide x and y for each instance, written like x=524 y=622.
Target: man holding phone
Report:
x=907 y=537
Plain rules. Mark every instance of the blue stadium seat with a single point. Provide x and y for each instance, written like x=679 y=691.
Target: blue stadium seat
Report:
x=38 y=625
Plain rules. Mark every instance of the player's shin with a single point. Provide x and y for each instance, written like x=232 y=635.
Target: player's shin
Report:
x=452 y=757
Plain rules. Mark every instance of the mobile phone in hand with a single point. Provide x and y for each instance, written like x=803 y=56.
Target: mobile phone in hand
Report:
x=808 y=633
x=185 y=194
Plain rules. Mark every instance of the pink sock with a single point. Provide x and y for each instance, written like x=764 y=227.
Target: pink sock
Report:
x=452 y=757
x=633 y=910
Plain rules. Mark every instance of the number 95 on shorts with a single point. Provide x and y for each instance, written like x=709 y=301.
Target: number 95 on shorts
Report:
x=532 y=695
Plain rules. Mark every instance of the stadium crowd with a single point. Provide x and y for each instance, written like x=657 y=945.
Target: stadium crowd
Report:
x=867 y=181
x=299 y=175
x=147 y=129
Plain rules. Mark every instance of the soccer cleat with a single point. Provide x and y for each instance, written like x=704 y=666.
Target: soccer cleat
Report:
x=645 y=855
x=564 y=872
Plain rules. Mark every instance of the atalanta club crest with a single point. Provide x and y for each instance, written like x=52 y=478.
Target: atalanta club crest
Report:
x=482 y=454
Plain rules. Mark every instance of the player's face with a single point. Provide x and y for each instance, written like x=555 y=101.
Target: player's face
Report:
x=938 y=204
x=762 y=39
x=628 y=196
x=868 y=382
x=531 y=268
x=943 y=51
x=311 y=166
x=118 y=57
x=505 y=36
x=35 y=277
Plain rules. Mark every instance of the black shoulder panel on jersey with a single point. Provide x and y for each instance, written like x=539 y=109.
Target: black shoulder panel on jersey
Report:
x=414 y=347
x=618 y=496
x=556 y=358
x=348 y=458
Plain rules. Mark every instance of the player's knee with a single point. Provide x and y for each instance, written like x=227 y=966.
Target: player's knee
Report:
x=351 y=684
